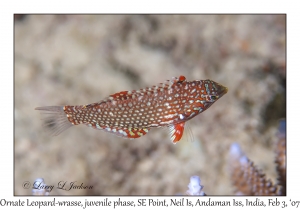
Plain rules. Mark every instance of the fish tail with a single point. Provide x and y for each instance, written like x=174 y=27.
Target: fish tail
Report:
x=55 y=120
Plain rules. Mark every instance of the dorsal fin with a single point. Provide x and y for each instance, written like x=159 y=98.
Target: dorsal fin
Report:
x=124 y=95
x=120 y=95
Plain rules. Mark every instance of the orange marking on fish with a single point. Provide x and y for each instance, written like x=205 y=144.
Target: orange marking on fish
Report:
x=131 y=114
x=177 y=132
x=181 y=78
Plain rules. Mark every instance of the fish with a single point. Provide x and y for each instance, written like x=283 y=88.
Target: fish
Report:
x=132 y=114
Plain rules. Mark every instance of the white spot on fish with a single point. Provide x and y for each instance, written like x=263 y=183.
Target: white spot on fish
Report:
x=181 y=116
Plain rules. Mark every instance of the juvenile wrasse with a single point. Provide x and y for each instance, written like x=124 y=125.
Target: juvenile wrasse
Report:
x=131 y=114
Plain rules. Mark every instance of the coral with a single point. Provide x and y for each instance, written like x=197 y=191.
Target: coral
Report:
x=248 y=180
x=280 y=158
x=195 y=187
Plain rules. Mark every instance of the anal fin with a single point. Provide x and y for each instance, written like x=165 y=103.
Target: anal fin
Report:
x=176 y=132
x=131 y=133
x=136 y=132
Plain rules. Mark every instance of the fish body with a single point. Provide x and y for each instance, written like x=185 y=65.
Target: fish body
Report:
x=131 y=114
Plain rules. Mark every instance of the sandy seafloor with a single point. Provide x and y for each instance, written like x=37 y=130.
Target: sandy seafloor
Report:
x=80 y=59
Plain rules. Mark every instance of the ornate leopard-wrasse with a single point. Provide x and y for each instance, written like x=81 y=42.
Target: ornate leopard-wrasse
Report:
x=131 y=114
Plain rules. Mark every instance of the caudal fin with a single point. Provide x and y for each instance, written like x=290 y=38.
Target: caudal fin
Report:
x=54 y=118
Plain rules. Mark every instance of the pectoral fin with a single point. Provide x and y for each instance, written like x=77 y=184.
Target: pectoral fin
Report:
x=176 y=132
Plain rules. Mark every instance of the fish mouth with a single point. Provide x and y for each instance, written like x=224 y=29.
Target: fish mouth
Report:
x=222 y=91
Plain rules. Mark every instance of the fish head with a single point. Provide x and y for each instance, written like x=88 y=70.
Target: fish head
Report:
x=212 y=91
x=208 y=92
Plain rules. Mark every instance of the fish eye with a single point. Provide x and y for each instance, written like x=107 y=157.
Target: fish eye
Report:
x=214 y=97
